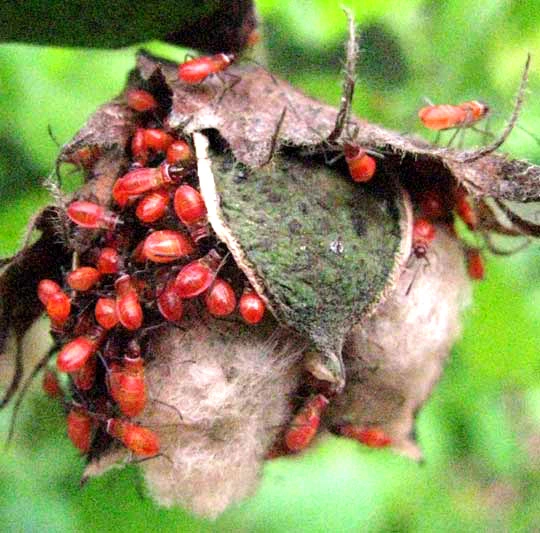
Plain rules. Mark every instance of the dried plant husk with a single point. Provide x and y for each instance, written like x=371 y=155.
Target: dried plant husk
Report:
x=395 y=357
x=319 y=249
x=278 y=136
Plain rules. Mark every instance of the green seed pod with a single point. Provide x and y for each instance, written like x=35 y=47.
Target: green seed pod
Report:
x=321 y=250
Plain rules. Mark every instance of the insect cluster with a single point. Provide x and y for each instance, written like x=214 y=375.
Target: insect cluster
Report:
x=162 y=297
x=154 y=258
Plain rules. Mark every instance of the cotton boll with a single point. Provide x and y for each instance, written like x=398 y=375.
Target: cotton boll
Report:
x=225 y=389
x=395 y=357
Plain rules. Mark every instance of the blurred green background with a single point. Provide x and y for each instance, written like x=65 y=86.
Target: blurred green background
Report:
x=480 y=431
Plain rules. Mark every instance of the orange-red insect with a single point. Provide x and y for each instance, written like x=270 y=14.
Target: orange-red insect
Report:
x=251 y=306
x=370 y=436
x=74 y=354
x=198 y=69
x=164 y=246
x=105 y=313
x=83 y=278
x=465 y=210
x=305 y=424
x=91 y=215
x=85 y=377
x=447 y=116
x=475 y=264
x=56 y=301
x=361 y=165
x=423 y=236
x=128 y=307
x=432 y=205
x=220 y=299
x=179 y=153
x=141 y=100
x=152 y=206
x=139 y=181
x=157 y=140
x=189 y=205
x=58 y=308
x=51 y=385
x=46 y=288
x=253 y=38
x=79 y=429
x=190 y=208
x=140 y=440
x=127 y=385
x=197 y=276
x=84 y=157
x=139 y=151
x=109 y=261
x=169 y=303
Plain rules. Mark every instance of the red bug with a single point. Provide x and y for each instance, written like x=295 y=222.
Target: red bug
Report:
x=253 y=38
x=164 y=246
x=109 y=261
x=198 y=69
x=169 y=303
x=251 y=306
x=465 y=210
x=84 y=157
x=446 y=116
x=83 y=278
x=141 y=100
x=140 y=440
x=91 y=215
x=190 y=208
x=58 y=308
x=157 y=140
x=220 y=299
x=179 y=153
x=370 y=436
x=152 y=206
x=197 y=276
x=142 y=180
x=137 y=255
x=105 y=313
x=423 y=236
x=74 y=354
x=128 y=307
x=51 y=385
x=189 y=205
x=361 y=165
x=85 y=377
x=432 y=205
x=56 y=301
x=139 y=150
x=127 y=386
x=79 y=429
x=475 y=264
x=305 y=424
x=46 y=288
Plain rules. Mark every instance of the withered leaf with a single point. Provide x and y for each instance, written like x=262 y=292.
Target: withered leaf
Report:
x=245 y=105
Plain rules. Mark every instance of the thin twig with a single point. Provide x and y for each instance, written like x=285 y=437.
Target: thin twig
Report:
x=511 y=123
x=344 y=114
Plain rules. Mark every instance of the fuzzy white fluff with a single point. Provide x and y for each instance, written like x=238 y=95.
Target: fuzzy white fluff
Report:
x=394 y=358
x=232 y=385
